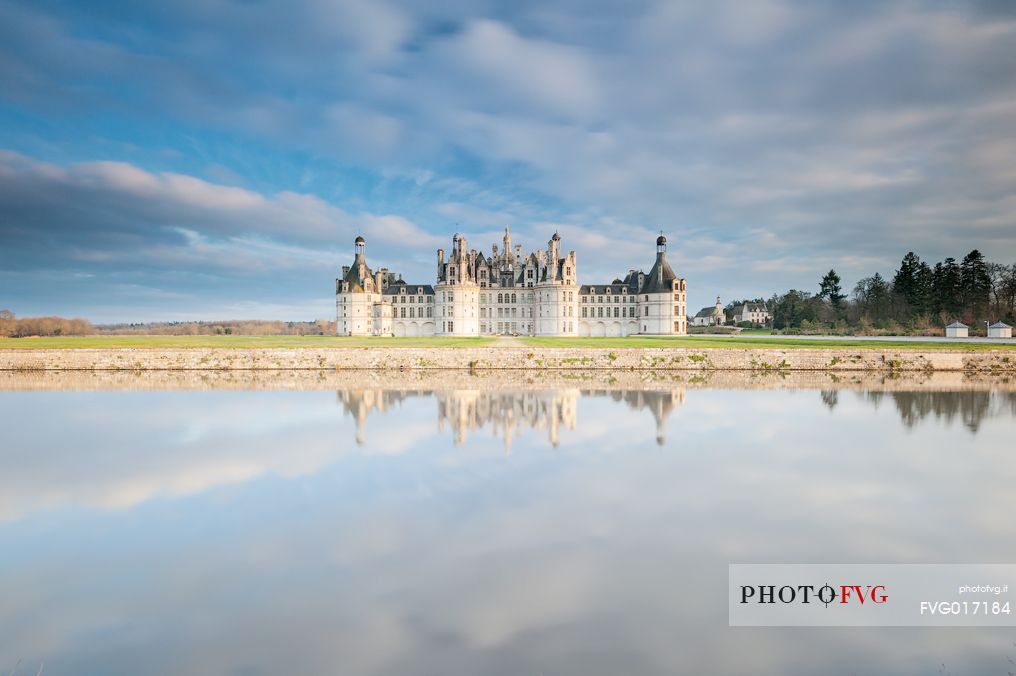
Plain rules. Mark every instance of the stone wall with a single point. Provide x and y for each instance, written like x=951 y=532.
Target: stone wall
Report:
x=436 y=380
x=520 y=358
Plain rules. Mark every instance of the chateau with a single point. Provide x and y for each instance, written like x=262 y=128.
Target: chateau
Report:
x=536 y=294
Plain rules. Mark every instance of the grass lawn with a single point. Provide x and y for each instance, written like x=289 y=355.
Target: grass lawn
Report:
x=750 y=342
x=78 y=342
x=155 y=342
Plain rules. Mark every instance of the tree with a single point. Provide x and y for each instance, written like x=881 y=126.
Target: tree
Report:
x=923 y=282
x=947 y=288
x=8 y=323
x=792 y=308
x=906 y=284
x=872 y=296
x=975 y=286
x=830 y=289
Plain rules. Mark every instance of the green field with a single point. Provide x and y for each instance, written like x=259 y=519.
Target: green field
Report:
x=756 y=342
x=704 y=342
x=81 y=342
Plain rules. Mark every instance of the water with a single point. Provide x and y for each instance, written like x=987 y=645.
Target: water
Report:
x=464 y=526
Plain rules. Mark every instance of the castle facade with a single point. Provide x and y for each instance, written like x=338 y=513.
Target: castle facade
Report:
x=535 y=294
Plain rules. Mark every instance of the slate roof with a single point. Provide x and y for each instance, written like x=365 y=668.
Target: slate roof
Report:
x=615 y=287
x=999 y=325
x=708 y=312
x=357 y=284
x=395 y=289
x=660 y=279
x=957 y=325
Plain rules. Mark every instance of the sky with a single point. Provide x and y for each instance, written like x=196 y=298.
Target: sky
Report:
x=214 y=159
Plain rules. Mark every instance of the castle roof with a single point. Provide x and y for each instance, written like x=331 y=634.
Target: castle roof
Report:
x=660 y=279
x=395 y=288
x=359 y=277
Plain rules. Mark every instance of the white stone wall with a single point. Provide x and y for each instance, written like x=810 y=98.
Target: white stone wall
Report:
x=457 y=309
x=354 y=313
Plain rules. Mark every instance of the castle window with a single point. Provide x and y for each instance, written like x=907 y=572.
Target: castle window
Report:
x=451 y=326
x=647 y=311
x=513 y=298
x=583 y=313
x=617 y=299
x=615 y=312
x=500 y=298
x=428 y=312
x=624 y=312
x=599 y=312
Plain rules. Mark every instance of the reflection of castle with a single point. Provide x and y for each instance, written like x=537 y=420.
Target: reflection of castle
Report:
x=659 y=403
x=508 y=412
x=361 y=403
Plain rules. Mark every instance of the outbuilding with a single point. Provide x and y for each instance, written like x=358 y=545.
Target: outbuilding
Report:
x=999 y=330
x=957 y=330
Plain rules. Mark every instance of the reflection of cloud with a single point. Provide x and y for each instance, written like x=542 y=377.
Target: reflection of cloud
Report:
x=155 y=446
x=599 y=556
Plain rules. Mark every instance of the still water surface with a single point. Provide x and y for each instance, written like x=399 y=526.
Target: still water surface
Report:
x=555 y=531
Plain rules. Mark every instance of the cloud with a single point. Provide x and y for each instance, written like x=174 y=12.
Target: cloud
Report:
x=854 y=130
x=109 y=222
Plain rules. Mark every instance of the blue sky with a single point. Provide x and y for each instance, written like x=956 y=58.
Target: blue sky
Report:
x=208 y=159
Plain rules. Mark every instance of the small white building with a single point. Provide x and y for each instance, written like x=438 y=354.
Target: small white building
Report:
x=756 y=313
x=957 y=330
x=999 y=330
x=710 y=316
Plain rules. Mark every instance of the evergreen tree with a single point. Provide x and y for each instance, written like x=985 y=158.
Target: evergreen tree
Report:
x=974 y=286
x=873 y=297
x=923 y=281
x=947 y=290
x=905 y=282
x=830 y=289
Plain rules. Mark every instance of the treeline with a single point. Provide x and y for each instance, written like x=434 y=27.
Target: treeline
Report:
x=919 y=298
x=251 y=327
x=12 y=327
